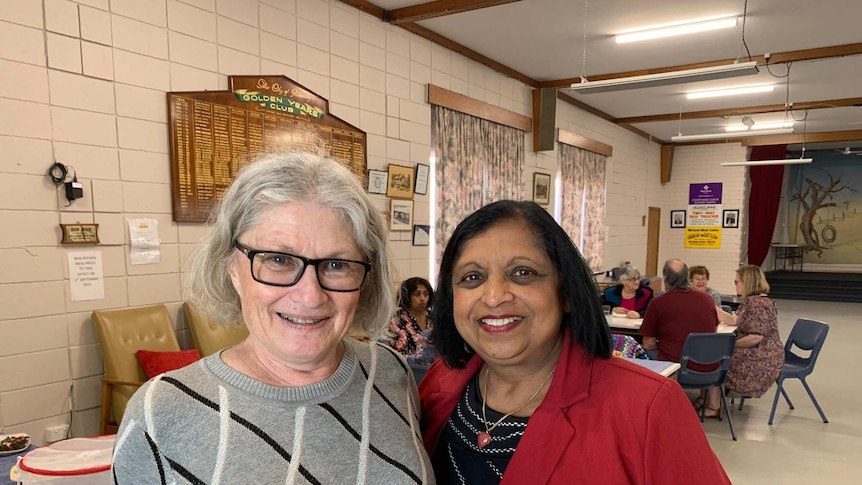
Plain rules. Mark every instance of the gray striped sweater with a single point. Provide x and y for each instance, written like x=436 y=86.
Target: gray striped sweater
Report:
x=208 y=424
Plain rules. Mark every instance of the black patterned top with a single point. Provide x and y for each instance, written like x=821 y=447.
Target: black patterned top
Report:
x=458 y=458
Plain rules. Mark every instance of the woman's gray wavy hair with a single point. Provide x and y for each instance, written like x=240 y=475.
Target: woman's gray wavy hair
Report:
x=286 y=178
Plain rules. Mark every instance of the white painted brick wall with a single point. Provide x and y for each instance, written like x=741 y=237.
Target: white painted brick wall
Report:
x=98 y=105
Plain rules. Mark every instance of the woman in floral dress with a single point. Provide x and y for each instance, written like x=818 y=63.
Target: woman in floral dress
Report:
x=759 y=352
x=410 y=327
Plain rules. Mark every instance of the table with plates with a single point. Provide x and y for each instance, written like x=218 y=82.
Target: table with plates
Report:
x=630 y=326
x=8 y=461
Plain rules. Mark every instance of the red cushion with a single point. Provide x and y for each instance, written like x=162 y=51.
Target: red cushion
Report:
x=159 y=362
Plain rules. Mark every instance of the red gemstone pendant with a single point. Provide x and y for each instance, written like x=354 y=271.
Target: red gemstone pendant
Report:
x=483 y=439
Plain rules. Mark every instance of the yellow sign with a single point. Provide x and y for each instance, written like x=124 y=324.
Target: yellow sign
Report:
x=703 y=237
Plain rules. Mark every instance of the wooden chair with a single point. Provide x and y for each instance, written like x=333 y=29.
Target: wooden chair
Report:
x=210 y=337
x=121 y=334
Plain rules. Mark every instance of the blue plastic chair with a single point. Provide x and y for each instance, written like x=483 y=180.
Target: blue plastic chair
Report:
x=808 y=335
x=705 y=349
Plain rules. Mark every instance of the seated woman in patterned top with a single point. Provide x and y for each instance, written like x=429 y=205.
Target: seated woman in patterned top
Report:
x=410 y=326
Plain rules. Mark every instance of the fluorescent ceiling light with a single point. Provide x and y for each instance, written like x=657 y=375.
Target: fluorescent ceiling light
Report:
x=667 y=78
x=721 y=136
x=760 y=126
x=679 y=28
x=712 y=93
x=755 y=163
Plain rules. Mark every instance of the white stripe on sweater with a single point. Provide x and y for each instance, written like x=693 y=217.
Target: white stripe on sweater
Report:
x=148 y=408
x=412 y=412
x=223 y=435
x=298 y=435
x=362 y=471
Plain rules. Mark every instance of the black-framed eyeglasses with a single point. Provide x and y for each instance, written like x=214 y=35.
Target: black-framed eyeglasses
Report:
x=284 y=269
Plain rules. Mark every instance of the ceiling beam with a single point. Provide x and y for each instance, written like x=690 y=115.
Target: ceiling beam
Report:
x=777 y=58
x=467 y=52
x=366 y=7
x=748 y=110
x=439 y=8
x=821 y=137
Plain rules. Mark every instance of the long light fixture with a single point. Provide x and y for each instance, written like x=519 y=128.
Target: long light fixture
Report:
x=667 y=78
x=722 y=136
x=759 y=127
x=756 y=163
x=679 y=28
x=734 y=91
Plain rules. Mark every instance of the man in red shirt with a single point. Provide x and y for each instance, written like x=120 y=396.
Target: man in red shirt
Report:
x=678 y=312
x=673 y=315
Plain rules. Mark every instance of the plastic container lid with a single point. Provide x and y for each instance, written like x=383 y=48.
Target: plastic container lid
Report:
x=76 y=456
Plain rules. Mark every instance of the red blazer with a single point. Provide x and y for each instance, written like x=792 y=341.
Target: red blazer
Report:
x=607 y=421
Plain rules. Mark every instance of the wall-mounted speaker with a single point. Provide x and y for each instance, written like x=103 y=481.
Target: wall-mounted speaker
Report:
x=544 y=115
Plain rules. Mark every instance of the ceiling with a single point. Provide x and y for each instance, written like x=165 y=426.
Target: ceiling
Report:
x=541 y=43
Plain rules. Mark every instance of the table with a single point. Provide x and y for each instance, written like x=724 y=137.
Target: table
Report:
x=7 y=462
x=662 y=367
x=630 y=326
x=788 y=252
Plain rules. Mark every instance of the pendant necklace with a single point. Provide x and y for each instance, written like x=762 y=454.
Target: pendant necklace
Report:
x=484 y=437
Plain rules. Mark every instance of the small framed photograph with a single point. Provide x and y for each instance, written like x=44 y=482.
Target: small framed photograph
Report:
x=541 y=188
x=421 y=179
x=677 y=219
x=400 y=215
x=377 y=182
x=401 y=181
x=421 y=235
x=730 y=218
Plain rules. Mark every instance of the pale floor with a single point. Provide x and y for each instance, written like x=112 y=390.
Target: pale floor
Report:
x=799 y=448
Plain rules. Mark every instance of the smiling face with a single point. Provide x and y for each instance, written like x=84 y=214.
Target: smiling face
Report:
x=506 y=296
x=699 y=282
x=300 y=326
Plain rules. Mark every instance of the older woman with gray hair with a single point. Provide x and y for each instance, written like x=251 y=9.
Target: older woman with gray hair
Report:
x=629 y=298
x=298 y=253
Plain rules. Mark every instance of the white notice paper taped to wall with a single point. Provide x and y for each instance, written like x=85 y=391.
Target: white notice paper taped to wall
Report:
x=144 y=236
x=85 y=276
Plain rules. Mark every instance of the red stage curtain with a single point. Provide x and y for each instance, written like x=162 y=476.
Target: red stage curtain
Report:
x=763 y=200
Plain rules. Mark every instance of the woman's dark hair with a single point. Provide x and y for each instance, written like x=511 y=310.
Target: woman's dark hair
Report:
x=577 y=289
x=410 y=285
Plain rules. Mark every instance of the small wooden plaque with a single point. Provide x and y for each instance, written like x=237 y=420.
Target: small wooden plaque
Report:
x=80 y=233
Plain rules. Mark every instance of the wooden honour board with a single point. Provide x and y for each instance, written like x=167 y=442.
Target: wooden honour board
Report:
x=213 y=134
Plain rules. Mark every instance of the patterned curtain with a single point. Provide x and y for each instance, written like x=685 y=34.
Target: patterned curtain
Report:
x=582 y=213
x=478 y=162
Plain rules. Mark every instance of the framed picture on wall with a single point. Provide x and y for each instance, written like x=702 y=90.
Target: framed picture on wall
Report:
x=421 y=235
x=401 y=181
x=377 y=181
x=421 y=179
x=400 y=215
x=730 y=218
x=541 y=188
x=677 y=219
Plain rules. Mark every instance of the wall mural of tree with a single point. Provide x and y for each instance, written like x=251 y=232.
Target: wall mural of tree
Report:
x=814 y=196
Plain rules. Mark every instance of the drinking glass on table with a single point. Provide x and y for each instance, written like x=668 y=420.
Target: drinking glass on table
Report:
x=606 y=309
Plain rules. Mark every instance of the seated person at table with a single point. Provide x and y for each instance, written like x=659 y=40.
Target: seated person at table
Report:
x=759 y=353
x=629 y=298
x=699 y=277
x=675 y=314
x=297 y=252
x=410 y=327
x=526 y=391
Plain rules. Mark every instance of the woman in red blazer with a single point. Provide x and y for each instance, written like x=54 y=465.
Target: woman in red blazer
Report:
x=526 y=391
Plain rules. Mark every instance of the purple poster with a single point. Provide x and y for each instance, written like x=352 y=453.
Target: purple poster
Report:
x=708 y=193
